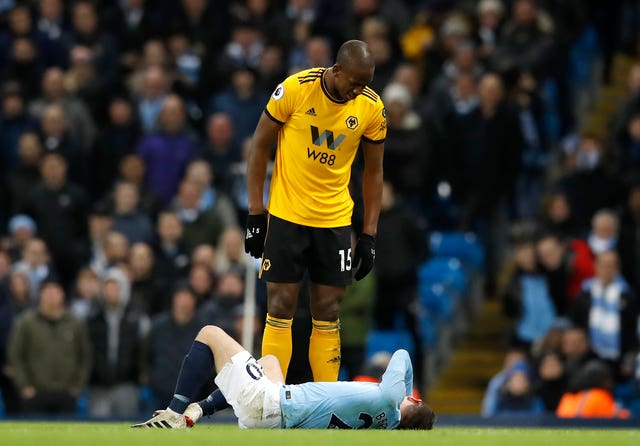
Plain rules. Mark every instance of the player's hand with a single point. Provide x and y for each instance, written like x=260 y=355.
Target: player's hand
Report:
x=365 y=255
x=256 y=232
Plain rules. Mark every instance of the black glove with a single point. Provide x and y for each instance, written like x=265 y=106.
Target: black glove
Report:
x=256 y=232
x=365 y=255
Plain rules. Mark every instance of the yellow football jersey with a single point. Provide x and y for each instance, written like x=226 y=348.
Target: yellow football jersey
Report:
x=317 y=143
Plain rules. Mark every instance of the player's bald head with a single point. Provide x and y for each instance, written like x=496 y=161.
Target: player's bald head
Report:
x=355 y=53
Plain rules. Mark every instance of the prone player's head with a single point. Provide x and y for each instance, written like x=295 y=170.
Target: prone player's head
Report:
x=353 y=69
x=416 y=415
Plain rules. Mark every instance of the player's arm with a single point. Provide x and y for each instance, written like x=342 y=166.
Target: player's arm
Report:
x=397 y=380
x=372 y=185
x=264 y=136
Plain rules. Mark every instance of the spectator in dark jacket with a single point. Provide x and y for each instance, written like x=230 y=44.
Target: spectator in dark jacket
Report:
x=172 y=256
x=116 y=330
x=14 y=121
x=147 y=292
x=60 y=208
x=24 y=178
x=171 y=335
x=400 y=248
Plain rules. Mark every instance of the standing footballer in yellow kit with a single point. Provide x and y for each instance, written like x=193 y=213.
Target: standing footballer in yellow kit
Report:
x=319 y=117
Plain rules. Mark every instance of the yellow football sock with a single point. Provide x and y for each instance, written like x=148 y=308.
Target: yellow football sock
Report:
x=324 y=350
x=276 y=340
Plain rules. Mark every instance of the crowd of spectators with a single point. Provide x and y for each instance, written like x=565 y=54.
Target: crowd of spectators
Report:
x=123 y=133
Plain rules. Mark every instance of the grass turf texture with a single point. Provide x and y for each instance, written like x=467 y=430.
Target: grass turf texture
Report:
x=99 y=434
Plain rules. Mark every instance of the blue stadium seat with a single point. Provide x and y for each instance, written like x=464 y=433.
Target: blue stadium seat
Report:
x=436 y=301
x=389 y=341
x=462 y=245
x=446 y=271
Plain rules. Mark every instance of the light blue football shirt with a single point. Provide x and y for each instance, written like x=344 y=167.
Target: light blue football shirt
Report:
x=349 y=405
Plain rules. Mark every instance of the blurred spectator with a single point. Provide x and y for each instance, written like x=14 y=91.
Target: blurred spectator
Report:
x=78 y=119
x=589 y=186
x=527 y=298
x=272 y=68
x=490 y=14
x=22 y=229
x=244 y=49
x=167 y=152
x=630 y=147
x=629 y=241
x=407 y=154
x=590 y=395
x=575 y=350
x=383 y=56
x=221 y=149
x=514 y=359
x=147 y=293
x=115 y=250
x=225 y=304
x=619 y=128
x=132 y=170
x=608 y=310
x=55 y=137
x=50 y=355
x=535 y=158
x=116 y=331
x=526 y=41
x=205 y=255
x=14 y=122
x=24 y=67
x=604 y=232
x=202 y=283
x=200 y=226
x=99 y=223
x=25 y=176
x=238 y=182
x=317 y=53
x=172 y=256
x=550 y=381
x=172 y=332
x=396 y=16
x=186 y=59
x=399 y=250
x=231 y=255
x=118 y=139
x=242 y=101
x=211 y=198
x=85 y=31
x=566 y=264
x=36 y=265
x=409 y=76
x=52 y=32
x=83 y=81
x=557 y=217
x=517 y=396
x=14 y=299
x=135 y=225
x=60 y=208
x=85 y=293
x=150 y=96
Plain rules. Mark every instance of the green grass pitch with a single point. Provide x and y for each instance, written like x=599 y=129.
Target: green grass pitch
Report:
x=99 y=434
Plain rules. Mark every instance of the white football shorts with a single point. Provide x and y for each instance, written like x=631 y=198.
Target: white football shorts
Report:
x=254 y=397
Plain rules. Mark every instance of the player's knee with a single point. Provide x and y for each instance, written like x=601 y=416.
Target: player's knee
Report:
x=208 y=332
x=281 y=306
x=326 y=309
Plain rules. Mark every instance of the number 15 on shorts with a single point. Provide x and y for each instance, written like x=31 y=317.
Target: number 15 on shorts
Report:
x=345 y=260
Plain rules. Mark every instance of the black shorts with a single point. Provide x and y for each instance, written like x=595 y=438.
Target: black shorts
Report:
x=291 y=249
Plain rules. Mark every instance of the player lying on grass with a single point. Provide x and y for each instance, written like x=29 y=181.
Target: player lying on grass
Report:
x=260 y=399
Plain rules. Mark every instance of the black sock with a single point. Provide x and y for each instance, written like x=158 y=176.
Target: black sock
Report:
x=213 y=403
x=196 y=368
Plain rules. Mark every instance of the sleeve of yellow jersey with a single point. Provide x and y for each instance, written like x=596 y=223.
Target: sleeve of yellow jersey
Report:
x=281 y=104
x=376 y=132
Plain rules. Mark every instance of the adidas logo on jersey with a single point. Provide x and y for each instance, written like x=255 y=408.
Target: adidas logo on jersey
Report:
x=311 y=111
